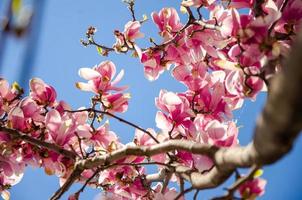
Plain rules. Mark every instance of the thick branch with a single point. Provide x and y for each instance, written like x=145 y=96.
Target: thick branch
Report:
x=149 y=151
x=281 y=120
x=70 y=180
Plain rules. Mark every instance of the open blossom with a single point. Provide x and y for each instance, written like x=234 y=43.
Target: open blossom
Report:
x=100 y=78
x=61 y=128
x=7 y=95
x=7 y=181
x=144 y=139
x=131 y=32
x=236 y=84
x=103 y=137
x=194 y=76
x=291 y=16
x=252 y=188
x=6 y=92
x=152 y=63
x=126 y=39
x=214 y=132
x=167 y=20
x=116 y=102
x=52 y=164
x=41 y=92
x=25 y=114
x=176 y=112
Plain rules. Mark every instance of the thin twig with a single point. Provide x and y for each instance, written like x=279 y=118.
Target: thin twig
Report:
x=196 y=194
x=183 y=193
x=131 y=4
x=86 y=182
x=116 y=117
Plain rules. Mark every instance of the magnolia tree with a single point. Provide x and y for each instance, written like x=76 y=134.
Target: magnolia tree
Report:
x=226 y=52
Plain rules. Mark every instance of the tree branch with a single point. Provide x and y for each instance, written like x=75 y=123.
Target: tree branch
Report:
x=70 y=180
x=50 y=146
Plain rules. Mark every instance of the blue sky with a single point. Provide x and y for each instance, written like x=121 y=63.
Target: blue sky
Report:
x=60 y=55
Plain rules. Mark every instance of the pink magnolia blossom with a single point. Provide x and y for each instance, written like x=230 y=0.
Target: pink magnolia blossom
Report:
x=152 y=63
x=116 y=102
x=143 y=139
x=167 y=20
x=7 y=95
x=131 y=32
x=6 y=92
x=103 y=137
x=236 y=84
x=252 y=188
x=52 y=164
x=176 y=112
x=194 y=76
x=100 y=78
x=130 y=185
x=291 y=17
x=60 y=128
x=120 y=44
x=8 y=181
x=217 y=133
x=41 y=92
x=27 y=112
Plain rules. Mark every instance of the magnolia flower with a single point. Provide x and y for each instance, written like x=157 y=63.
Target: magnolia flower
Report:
x=100 y=78
x=252 y=188
x=41 y=92
x=103 y=137
x=217 y=133
x=7 y=94
x=152 y=63
x=131 y=32
x=167 y=20
x=116 y=102
x=61 y=128
x=22 y=116
x=176 y=113
x=236 y=85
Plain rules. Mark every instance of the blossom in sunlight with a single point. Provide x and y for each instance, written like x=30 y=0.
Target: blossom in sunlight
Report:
x=167 y=20
x=100 y=78
x=116 y=102
x=131 y=32
x=41 y=92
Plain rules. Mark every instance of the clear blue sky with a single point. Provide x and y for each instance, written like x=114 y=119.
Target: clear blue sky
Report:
x=60 y=55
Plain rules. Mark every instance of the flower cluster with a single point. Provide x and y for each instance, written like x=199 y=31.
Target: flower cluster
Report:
x=43 y=118
x=100 y=82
